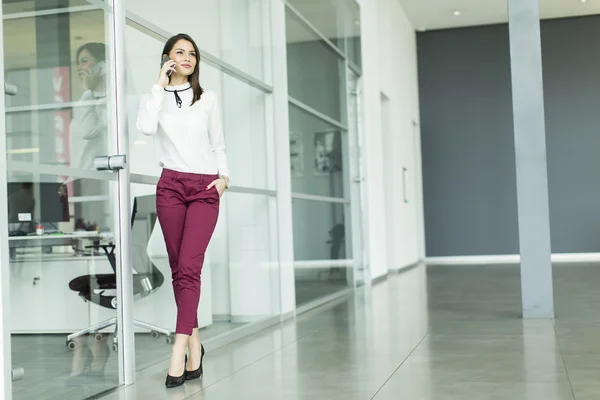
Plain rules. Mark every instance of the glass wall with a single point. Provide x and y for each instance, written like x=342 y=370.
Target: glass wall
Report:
x=323 y=43
x=63 y=214
x=232 y=32
x=241 y=260
x=62 y=240
x=337 y=21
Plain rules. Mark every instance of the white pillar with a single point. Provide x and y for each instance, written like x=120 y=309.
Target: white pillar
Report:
x=279 y=103
x=530 y=155
x=375 y=240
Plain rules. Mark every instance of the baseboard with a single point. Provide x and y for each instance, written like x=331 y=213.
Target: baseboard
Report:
x=380 y=279
x=288 y=315
x=248 y=319
x=406 y=267
x=325 y=300
x=240 y=332
x=511 y=259
x=221 y=317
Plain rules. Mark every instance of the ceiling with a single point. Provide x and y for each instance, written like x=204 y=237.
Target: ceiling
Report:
x=439 y=14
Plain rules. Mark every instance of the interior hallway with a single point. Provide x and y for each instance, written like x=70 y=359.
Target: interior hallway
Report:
x=441 y=333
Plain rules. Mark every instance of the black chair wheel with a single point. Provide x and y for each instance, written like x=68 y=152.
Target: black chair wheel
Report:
x=115 y=347
x=71 y=344
x=155 y=334
x=169 y=340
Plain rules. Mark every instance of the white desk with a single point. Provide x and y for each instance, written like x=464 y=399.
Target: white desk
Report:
x=42 y=302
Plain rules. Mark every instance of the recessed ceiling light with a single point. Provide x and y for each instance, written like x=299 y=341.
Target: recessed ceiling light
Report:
x=457 y=13
x=583 y=1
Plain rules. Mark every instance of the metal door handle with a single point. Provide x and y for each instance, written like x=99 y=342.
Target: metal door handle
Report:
x=17 y=374
x=10 y=89
x=110 y=163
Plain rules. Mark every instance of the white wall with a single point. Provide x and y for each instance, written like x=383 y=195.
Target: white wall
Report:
x=390 y=66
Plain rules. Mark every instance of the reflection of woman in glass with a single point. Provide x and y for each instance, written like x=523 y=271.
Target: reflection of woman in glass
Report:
x=188 y=137
x=88 y=140
x=89 y=130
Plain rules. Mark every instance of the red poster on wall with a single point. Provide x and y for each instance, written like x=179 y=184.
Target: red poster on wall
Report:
x=62 y=118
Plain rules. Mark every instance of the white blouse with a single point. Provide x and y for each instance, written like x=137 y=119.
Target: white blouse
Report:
x=186 y=139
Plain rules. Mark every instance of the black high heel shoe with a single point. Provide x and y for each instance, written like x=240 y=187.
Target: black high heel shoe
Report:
x=189 y=375
x=175 y=381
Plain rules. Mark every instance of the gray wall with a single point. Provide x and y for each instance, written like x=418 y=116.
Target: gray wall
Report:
x=468 y=148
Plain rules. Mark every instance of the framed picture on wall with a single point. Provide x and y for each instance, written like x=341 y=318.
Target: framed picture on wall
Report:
x=327 y=152
x=296 y=155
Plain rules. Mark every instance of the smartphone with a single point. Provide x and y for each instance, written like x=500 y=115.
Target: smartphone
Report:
x=164 y=60
x=99 y=68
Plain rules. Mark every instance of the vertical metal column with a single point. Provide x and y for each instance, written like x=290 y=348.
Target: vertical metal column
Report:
x=126 y=337
x=283 y=182
x=530 y=154
x=5 y=344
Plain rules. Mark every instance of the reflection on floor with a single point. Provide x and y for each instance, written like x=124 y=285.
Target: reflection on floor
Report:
x=442 y=333
x=317 y=283
x=54 y=372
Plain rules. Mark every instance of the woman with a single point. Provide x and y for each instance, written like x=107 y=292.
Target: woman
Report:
x=89 y=133
x=188 y=137
x=89 y=119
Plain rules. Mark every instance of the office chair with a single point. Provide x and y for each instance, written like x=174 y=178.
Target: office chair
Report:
x=93 y=288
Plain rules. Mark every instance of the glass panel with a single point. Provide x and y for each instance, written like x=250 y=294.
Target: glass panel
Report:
x=242 y=108
x=315 y=71
x=316 y=151
x=320 y=234
x=337 y=20
x=40 y=129
x=242 y=254
x=252 y=259
x=142 y=72
x=353 y=37
x=243 y=247
x=319 y=230
x=235 y=31
x=62 y=282
x=20 y=6
x=155 y=304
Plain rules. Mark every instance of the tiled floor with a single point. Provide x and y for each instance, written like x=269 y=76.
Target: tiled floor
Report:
x=311 y=290
x=48 y=364
x=441 y=333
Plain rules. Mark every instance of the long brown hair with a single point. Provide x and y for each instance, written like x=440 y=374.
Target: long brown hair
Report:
x=194 y=78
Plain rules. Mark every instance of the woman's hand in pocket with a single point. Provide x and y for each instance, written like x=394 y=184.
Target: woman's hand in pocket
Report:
x=219 y=184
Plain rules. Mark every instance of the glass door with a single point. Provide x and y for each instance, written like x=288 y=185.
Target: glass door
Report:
x=67 y=217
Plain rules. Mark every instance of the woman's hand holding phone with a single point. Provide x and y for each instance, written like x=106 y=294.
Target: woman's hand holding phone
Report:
x=92 y=77
x=167 y=69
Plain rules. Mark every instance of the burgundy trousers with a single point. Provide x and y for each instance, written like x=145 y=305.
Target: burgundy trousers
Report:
x=187 y=213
